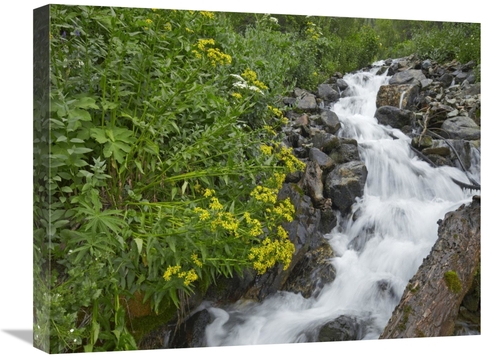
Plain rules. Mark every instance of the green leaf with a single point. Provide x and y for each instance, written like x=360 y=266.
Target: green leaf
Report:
x=139 y=244
x=99 y=135
x=139 y=166
x=76 y=140
x=184 y=186
x=81 y=150
x=86 y=103
x=82 y=114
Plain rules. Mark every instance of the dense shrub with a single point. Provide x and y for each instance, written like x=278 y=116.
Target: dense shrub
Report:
x=164 y=170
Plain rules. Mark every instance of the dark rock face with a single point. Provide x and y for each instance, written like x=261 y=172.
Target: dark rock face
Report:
x=327 y=92
x=190 y=334
x=347 y=151
x=430 y=304
x=395 y=117
x=312 y=272
x=345 y=183
x=462 y=128
x=344 y=328
x=331 y=121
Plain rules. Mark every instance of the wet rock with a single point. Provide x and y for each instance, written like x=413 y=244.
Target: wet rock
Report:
x=395 y=117
x=328 y=219
x=314 y=271
x=191 y=333
x=306 y=102
x=326 y=142
x=347 y=151
x=442 y=151
x=311 y=182
x=331 y=121
x=344 y=328
x=328 y=93
x=324 y=161
x=461 y=128
x=345 y=183
x=407 y=77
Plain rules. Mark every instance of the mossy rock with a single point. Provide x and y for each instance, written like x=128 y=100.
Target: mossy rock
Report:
x=453 y=281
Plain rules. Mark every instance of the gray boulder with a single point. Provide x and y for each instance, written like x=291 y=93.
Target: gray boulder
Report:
x=461 y=128
x=345 y=183
x=395 y=117
x=407 y=77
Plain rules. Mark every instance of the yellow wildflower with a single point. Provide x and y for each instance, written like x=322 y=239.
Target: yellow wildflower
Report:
x=266 y=149
x=269 y=129
x=215 y=205
x=264 y=194
x=203 y=213
x=208 y=193
x=190 y=277
x=251 y=77
x=202 y=43
x=282 y=234
x=268 y=253
x=236 y=95
x=196 y=260
x=196 y=54
x=207 y=14
x=171 y=270
x=217 y=57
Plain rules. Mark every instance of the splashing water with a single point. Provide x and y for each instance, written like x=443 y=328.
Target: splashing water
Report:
x=376 y=254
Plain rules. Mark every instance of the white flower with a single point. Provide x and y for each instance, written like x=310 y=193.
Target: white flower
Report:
x=256 y=89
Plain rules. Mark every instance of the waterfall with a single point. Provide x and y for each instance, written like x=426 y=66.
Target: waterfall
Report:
x=376 y=254
x=401 y=99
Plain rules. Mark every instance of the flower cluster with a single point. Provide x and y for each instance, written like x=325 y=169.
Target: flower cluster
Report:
x=292 y=163
x=227 y=221
x=196 y=260
x=251 y=77
x=270 y=252
x=266 y=195
x=284 y=210
x=312 y=32
x=207 y=14
x=204 y=215
x=278 y=114
x=266 y=149
x=188 y=276
x=216 y=56
x=254 y=224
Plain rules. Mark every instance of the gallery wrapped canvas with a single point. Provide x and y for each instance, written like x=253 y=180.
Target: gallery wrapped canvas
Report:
x=209 y=178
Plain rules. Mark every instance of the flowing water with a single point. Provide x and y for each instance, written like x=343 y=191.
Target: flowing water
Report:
x=376 y=254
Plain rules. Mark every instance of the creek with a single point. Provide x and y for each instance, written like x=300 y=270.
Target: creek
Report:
x=378 y=247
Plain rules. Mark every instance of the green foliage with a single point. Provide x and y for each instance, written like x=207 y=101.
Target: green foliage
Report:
x=460 y=41
x=156 y=136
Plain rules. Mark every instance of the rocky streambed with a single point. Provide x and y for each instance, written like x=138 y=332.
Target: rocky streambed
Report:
x=438 y=106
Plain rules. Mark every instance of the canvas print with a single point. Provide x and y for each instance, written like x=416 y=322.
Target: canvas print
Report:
x=206 y=179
